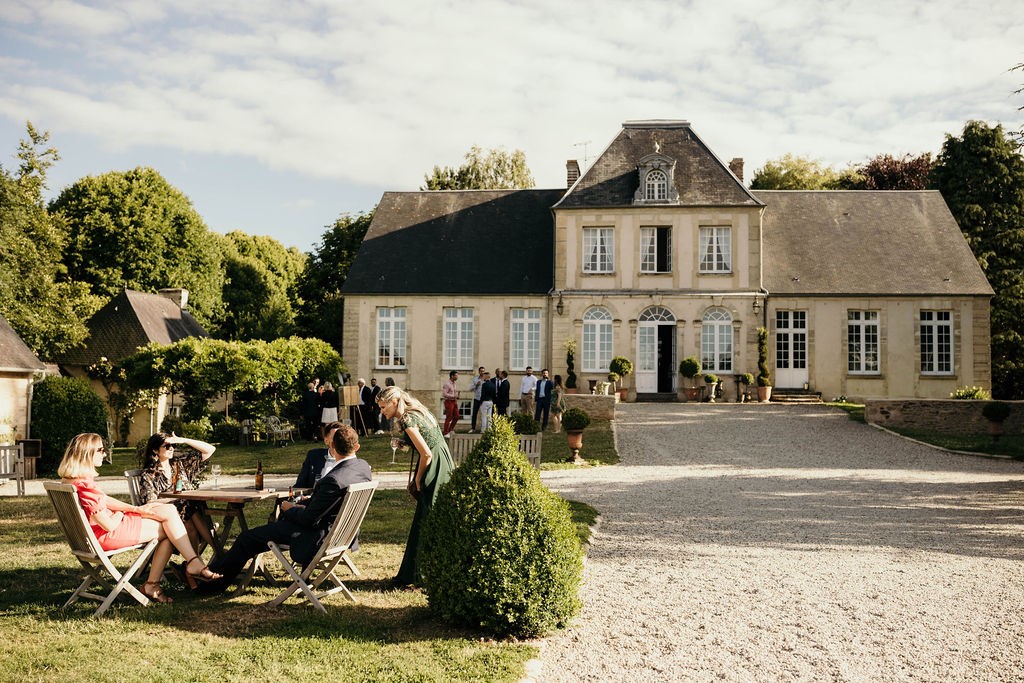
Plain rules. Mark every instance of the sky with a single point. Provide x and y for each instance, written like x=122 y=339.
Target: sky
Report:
x=275 y=117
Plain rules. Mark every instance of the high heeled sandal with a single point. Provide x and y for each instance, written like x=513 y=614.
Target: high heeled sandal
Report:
x=205 y=575
x=158 y=593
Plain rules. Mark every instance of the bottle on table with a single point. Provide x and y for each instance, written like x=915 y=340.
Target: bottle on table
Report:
x=259 y=475
x=179 y=484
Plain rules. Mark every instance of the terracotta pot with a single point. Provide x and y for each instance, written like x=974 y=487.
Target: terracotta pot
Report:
x=995 y=429
x=764 y=394
x=575 y=439
x=692 y=393
x=572 y=391
x=623 y=394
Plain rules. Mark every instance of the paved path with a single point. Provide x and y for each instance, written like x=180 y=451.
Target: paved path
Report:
x=787 y=543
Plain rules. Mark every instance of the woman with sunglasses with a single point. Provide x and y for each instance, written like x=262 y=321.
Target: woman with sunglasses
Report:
x=118 y=524
x=159 y=462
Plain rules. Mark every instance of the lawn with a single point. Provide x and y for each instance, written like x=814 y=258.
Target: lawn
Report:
x=388 y=636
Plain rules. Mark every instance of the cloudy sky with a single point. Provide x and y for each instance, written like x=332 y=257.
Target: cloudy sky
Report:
x=275 y=117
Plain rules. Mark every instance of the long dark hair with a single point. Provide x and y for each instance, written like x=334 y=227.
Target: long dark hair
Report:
x=149 y=459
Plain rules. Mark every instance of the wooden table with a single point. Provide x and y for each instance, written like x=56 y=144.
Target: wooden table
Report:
x=234 y=501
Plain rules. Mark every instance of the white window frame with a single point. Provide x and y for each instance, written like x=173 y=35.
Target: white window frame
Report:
x=716 y=343
x=391 y=337
x=649 y=254
x=656 y=186
x=936 y=342
x=524 y=338
x=715 y=249
x=863 y=343
x=597 y=339
x=457 y=339
x=598 y=250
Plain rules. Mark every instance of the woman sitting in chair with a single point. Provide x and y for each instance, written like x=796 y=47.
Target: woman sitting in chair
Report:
x=118 y=524
x=163 y=466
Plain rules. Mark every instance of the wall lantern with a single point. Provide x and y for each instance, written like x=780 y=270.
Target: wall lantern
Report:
x=757 y=305
x=559 y=307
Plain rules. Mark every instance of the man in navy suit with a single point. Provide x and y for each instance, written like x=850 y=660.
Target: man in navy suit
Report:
x=544 y=387
x=502 y=385
x=319 y=461
x=302 y=525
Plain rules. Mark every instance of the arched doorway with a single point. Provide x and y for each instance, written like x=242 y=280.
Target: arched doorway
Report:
x=655 y=351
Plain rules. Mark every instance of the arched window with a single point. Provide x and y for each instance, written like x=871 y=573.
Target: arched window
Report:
x=597 y=339
x=656 y=186
x=716 y=341
x=657 y=314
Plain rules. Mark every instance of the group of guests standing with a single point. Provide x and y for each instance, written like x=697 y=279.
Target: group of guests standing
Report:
x=538 y=396
x=321 y=404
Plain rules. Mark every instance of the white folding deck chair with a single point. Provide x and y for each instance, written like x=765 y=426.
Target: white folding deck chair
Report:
x=333 y=550
x=95 y=560
x=134 y=477
x=12 y=465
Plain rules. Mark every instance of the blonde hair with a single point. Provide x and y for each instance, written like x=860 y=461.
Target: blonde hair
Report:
x=78 y=457
x=406 y=403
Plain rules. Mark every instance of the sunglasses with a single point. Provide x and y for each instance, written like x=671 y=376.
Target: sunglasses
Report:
x=101 y=449
x=167 y=447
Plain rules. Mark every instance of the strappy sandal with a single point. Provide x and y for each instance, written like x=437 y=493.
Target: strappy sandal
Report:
x=158 y=593
x=205 y=575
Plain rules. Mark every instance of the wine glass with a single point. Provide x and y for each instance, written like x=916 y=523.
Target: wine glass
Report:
x=394 y=449
x=215 y=471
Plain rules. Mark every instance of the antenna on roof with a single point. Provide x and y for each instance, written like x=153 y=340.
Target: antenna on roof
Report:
x=586 y=156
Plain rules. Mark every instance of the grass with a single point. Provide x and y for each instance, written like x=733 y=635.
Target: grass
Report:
x=854 y=410
x=388 y=636
x=1009 y=445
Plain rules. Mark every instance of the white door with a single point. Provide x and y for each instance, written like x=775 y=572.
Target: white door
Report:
x=790 y=349
x=647 y=358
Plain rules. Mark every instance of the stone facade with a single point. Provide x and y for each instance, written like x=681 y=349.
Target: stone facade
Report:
x=946 y=416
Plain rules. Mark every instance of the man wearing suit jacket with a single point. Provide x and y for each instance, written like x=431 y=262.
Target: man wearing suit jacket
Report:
x=365 y=411
x=543 y=391
x=374 y=408
x=501 y=401
x=304 y=525
x=319 y=461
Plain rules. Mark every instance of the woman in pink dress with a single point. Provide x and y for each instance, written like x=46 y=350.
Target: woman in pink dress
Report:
x=118 y=524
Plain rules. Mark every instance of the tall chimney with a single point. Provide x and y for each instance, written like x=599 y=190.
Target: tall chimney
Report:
x=736 y=166
x=177 y=295
x=572 y=172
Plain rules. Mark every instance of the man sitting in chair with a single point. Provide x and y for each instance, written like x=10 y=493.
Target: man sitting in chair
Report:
x=304 y=524
x=319 y=461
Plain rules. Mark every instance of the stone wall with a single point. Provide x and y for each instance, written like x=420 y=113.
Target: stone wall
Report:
x=947 y=416
x=598 y=407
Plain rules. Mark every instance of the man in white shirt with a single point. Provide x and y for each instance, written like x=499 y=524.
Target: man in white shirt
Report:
x=476 y=386
x=526 y=388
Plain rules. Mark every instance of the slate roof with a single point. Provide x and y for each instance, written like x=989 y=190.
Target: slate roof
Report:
x=130 y=320
x=15 y=356
x=458 y=242
x=700 y=177
x=865 y=242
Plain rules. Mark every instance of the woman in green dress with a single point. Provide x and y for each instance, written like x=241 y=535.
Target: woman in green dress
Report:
x=433 y=468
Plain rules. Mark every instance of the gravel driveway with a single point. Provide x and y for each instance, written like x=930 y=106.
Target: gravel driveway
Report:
x=787 y=543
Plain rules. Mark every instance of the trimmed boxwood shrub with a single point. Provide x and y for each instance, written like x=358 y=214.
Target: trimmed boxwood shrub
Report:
x=499 y=549
x=63 y=407
x=575 y=419
x=228 y=432
x=524 y=424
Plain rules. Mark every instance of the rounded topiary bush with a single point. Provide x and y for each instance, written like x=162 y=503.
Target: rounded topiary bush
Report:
x=500 y=552
x=524 y=424
x=63 y=407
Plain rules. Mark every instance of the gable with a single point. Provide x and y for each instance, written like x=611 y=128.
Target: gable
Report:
x=865 y=242
x=457 y=242
x=698 y=176
x=15 y=355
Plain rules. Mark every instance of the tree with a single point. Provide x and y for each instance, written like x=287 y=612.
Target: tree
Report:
x=1019 y=133
x=886 y=172
x=134 y=229
x=327 y=267
x=47 y=311
x=260 y=291
x=981 y=177
x=790 y=172
x=494 y=169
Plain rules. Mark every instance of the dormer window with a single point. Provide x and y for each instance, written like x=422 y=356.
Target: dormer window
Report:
x=657 y=180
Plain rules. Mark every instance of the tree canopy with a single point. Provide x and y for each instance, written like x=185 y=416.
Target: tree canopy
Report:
x=981 y=177
x=886 y=172
x=493 y=169
x=790 y=172
x=261 y=297
x=134 y=229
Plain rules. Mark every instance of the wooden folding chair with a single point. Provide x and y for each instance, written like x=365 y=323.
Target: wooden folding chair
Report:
x=134 y=477
x=333 y=550
x=95 y=560
x=12 y=465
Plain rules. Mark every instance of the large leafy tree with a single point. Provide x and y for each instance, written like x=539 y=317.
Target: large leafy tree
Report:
x=134 y=229
x=261 y=290
x=319 y=286
x=492 y=169
x=981 y=176
x=886 y=172
x=44 y=308
x=790 y=172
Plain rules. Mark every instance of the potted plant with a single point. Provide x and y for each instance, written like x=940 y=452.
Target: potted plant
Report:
x=764 y=377
x=613 y=379
x=996 y=412
x=622 y=367
x=746 y=379
x=689 y=368
x=712 y=381
x=570 y=366
x=574 y=421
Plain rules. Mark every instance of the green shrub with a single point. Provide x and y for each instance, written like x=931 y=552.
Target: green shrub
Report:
x=689 y=367
x=171 y=424
x=746 y=379
x=63 y=407
x=621 y=366
x=764 y=375
x=996 y=411
x=227 y=431
x=711 y=378
x=524 y=424
x=198 y=429
x=971 y=393
x=499 y=549
x=575 y=419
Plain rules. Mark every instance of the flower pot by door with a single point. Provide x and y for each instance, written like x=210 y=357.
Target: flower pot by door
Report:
x=623 y=393
x=764 y=394
x=692 y=393
x=712 y=388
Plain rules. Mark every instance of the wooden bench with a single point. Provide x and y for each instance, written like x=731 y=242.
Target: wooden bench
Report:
x=461 y=444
